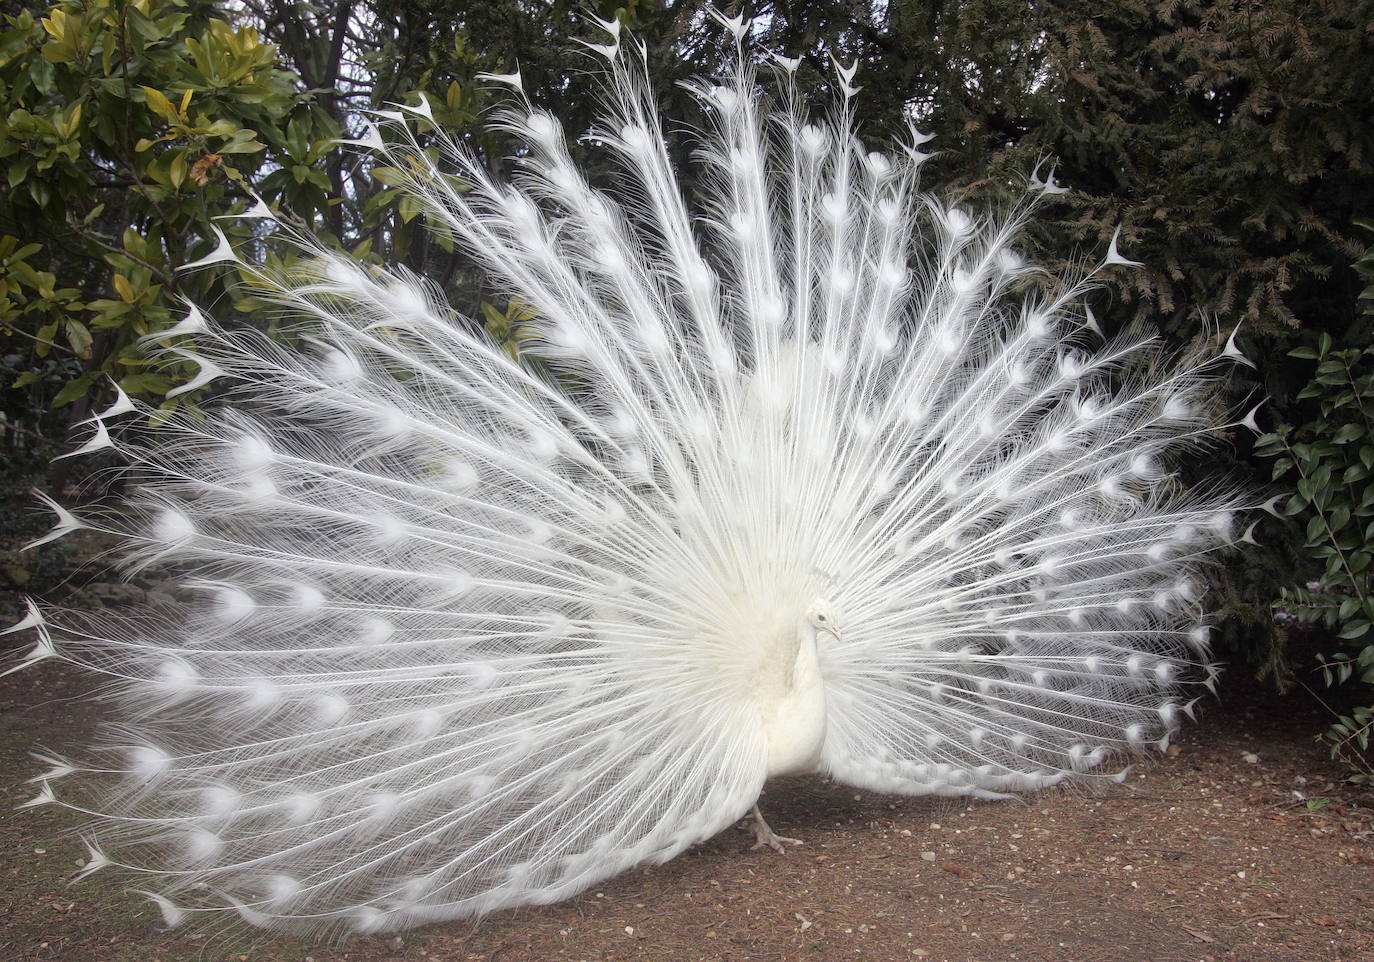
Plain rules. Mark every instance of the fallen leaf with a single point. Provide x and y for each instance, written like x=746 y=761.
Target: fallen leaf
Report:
x=1200 y=936
x=1262 y=918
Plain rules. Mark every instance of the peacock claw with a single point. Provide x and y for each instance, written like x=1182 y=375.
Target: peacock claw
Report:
x=765 y=836
x=777 y=843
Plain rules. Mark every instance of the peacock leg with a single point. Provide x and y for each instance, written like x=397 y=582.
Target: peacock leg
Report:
x=764 y=835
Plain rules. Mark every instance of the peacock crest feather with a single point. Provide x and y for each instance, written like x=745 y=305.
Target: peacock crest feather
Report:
x=813 y=474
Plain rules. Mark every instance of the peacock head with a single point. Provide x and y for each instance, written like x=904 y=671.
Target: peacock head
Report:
x=822 y=618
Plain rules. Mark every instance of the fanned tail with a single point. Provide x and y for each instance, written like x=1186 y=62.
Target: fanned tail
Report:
x=472 y=635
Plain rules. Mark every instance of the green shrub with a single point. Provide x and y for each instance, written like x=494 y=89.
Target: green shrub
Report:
x=126 y=129
x=1330 y=461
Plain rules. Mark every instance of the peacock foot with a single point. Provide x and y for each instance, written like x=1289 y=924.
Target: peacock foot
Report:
x=764 y=835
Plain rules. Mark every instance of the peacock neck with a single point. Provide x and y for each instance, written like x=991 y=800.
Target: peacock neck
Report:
x=792 y=706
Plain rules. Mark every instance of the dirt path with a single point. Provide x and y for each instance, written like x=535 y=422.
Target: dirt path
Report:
x=1241 y=846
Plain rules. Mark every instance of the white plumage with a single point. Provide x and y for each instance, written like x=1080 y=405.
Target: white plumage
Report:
x=815 y=474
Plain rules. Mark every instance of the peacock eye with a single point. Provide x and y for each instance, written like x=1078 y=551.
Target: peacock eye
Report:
x=821 y=618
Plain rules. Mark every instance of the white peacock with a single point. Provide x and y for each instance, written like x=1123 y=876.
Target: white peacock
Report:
x=815 y=475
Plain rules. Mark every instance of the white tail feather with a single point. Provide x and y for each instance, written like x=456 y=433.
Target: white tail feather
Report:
x=824 y=479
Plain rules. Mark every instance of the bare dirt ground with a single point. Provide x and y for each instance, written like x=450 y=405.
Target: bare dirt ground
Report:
x=1242 y=844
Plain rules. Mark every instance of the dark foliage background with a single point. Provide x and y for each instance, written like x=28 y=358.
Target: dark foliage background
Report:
x=1230 y=142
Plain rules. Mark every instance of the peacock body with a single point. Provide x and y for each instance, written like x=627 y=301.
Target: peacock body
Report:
x=818 y=475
